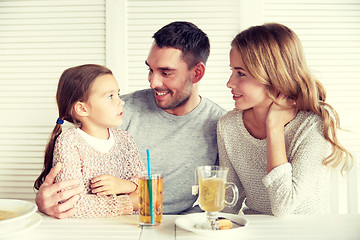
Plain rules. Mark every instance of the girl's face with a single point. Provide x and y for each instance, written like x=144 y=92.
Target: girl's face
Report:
x=247 y=91
x=105 y=108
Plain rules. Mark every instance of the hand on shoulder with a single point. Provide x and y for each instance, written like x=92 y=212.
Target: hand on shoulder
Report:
x=52 y=198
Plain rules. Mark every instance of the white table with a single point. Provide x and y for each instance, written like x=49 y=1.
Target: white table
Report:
x=327 y=227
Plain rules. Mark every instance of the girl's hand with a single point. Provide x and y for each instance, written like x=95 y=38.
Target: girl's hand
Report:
x=279 y=116
x=107 y=184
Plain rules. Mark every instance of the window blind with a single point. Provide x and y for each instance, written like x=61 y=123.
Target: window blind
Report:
x=39 y=40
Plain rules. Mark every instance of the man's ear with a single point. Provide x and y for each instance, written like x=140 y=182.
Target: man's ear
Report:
x=199 y=71
x=81 y=109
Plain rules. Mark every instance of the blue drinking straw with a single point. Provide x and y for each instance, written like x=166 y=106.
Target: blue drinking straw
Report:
x=150 y=187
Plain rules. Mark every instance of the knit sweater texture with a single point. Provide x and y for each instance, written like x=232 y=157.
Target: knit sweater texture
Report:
x=300 y=186
x=82 y=162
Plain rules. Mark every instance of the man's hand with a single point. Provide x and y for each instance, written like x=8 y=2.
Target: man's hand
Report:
x=50 y=194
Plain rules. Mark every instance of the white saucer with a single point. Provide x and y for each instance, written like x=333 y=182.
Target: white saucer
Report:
x=34 y=221
x=189 y=222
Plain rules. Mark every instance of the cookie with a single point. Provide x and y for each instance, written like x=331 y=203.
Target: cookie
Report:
x=224 y=223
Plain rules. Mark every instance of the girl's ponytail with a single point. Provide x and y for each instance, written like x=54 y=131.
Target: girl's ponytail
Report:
x=48 y=159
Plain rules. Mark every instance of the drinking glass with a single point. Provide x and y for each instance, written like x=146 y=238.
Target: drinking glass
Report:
x=212 y=187
x=145 y=198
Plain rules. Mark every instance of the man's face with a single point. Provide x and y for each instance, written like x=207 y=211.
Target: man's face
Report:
x=170 y=78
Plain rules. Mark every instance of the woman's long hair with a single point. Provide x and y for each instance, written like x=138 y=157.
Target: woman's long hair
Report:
x=273 y=55
x=74 y=85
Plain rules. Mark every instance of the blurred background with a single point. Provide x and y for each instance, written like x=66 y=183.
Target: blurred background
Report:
x=40 y=39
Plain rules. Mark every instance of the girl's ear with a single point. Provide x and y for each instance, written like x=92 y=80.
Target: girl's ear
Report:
x=81 y=109
x=199 y=71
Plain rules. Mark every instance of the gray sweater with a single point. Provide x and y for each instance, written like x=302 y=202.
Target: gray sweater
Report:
x=177 y=144
x=300 y=186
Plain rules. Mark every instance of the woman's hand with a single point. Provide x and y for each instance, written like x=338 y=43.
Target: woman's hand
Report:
x=276 y=119
x=107 y=184
x=279 y=115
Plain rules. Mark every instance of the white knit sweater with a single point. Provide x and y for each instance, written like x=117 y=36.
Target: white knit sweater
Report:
x=300 y=186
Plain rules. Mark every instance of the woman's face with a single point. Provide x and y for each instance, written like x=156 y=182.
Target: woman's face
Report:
x=247 y=91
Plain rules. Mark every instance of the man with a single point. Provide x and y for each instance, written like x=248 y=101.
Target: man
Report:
x=170 y=119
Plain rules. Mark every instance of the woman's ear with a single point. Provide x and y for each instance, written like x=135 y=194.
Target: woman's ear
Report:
x=199 y=71
x=81 y=109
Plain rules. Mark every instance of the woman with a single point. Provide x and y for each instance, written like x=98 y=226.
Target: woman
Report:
x=281 y=137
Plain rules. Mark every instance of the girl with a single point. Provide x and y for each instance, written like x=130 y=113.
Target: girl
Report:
x=103 y=159
x=277 y=141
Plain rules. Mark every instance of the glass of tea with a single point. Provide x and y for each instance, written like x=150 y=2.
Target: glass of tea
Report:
x=212 y=186
x=150 y=202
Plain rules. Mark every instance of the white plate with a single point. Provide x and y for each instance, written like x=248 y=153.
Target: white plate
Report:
x=34 y=221
x=188 y=222
x=23 y=210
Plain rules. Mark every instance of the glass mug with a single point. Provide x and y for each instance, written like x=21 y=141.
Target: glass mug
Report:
x=212 y=187
x=144 y=199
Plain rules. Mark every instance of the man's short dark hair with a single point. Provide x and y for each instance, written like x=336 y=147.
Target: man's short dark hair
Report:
x=188 y=38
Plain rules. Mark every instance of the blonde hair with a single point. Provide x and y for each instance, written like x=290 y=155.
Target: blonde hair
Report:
x=273 y=54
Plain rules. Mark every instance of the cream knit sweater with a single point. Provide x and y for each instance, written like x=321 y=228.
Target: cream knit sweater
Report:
x=82 y=162
x=300 y=186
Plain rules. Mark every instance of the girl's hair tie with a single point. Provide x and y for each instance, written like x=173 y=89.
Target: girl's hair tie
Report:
x=59 y=121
